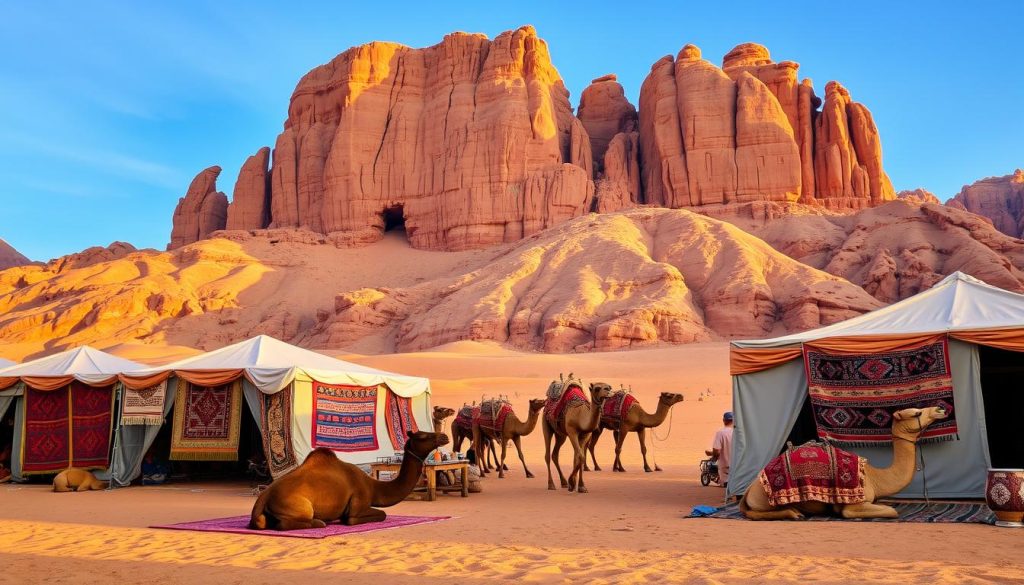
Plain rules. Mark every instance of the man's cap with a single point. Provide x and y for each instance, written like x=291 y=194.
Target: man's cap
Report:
x=727 y=415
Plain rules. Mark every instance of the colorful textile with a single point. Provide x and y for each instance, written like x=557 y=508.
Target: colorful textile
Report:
x=91 y=425
x=207 y=422
x=814 y=472
x=492 y=415
x=616 y=408
x=144 y=407
x=398 y=419
x=464 y=420
x=935 y=512
x=239 y=525
x=345 y=417
x=276 y=421
x=556 y=407
x=853 y=397
x=46 y=447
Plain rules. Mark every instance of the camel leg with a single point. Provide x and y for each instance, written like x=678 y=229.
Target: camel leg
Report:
x=85 y=486
x=456 y=439
x=519 y=447
x=559 y=441
x=578 y=458
x=547 y=454
x=591 y=446
x=478 y=447
x=297 y=515
x=641 y=433
x=501 y=463
x=620 y=438
x=360 y=512
x=754 y=505
x=868 y=510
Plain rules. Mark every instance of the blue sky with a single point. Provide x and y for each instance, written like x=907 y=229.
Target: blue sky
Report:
x=108 y=110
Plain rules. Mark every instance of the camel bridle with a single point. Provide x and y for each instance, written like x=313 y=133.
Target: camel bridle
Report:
x=920 y=453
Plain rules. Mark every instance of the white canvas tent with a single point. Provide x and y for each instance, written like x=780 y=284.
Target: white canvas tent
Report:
x=985 y=328
x=84 y=364
x=267 y=365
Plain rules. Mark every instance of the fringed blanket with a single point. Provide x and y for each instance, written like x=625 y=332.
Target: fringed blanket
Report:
x=493 y=414
x=345 y=417
x=207 y=421
x=276 y=419
x=67 y=427
x=616 y=408
x=464 y=420
x=560 y=399
x=814 y=472
x=144 y=407
x=853 y=396
x=398 y=419
x=91 y=425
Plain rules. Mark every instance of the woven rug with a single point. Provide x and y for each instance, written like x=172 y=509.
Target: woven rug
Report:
x=617 y=407
x=345 y=417
x=207 y=421
x=47 y=431
x=276 y=419
x=492 y=415
x=814 y=472
x=144 y=407
x=238 y=525
x=936 y=512
x=464 y=420
x=91 y=425
x=398 y=418
x=555 y=407
x=853 y=396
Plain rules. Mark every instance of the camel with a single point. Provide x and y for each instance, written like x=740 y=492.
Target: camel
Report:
x=878 y=483
x=579 y=419
x=74 y=479
x=439 y=414
x=513 y=430
x=326 y=489
x=462 y=429
x=635 y=421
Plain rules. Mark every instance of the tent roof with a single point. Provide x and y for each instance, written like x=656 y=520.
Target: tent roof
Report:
x=85 y=364
x=956 y=303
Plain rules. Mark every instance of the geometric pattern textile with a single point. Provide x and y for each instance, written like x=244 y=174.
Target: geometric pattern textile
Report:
x=815 y=472
x=345 y=417
x=207 y=421
x=46 y=447
x=853 y=397
x=91 y=425
x=398 y=419
x=464 y=419
x=276 y=418
x=144 y=407
x=560 y=399
x=492 y=415
x=616 y=408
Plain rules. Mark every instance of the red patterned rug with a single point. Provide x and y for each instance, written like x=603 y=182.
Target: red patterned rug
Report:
x=814 y=472
x=276 y=418
x=555 y=408
x=91 y=425
x=464 y=420
x=853 y=396
x=492 y=415
x=616 y=408
x=47 y=432
x=207 y=422
x=398 y=419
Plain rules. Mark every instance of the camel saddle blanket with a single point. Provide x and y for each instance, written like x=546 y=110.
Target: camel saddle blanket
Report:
x=464 y=420
x=492 y=415
x=616 y=408
x=571 y=394
x=815 y=472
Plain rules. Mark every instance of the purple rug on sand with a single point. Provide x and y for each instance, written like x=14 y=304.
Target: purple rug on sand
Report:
x=238 y=524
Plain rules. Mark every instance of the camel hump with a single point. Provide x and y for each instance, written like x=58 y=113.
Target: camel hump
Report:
x=319 y=456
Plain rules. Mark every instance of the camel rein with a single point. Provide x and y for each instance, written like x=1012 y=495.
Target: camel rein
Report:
x=920 y=453
x=656 y=439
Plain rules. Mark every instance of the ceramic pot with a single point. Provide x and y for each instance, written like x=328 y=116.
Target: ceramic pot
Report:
x=1004 y=494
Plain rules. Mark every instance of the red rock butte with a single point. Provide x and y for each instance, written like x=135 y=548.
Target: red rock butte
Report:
x=473 y=142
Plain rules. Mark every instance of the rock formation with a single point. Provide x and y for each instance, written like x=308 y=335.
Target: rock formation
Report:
x=202 y=211
x=918 y=196
x=250 y=205
x=605 y=112
x=1000 y=199
x=10 y=257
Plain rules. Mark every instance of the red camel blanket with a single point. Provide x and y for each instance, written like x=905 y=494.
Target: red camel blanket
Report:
x=617 y=407
x=398 y=419
x=492 y=415
x=814 y=472
x=464 y=420
x=853 y=396
x=555 y=407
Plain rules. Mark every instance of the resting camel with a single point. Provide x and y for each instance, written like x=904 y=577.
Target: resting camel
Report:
x=579 y=419
x=513 y=430
x=74 y=479
x=326 y=489
x=878 y=483
x=635 y=421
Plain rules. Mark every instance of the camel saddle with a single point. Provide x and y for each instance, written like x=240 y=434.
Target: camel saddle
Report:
x=616 y=408
x=492 y=414
x=560 y=396
x=815 y=471
x=464 y=420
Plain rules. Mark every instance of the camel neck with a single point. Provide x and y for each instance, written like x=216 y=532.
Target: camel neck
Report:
x=655 y=419
x=891 y=480
x=595 y=416
x=525 y=428
x=389 y=493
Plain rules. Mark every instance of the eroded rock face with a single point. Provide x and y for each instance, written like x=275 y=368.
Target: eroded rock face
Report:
x=1000 y=199
x=202 y=211
x=918 y=196
x=250 y=205
x=605 y=112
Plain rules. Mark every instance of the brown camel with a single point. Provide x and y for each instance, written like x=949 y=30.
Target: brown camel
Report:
x=576 y=423
x=513 y=430
x=439 y=414
x=462 y=429
x=74 y=479
x=878 y=483
x=635 y=421
x=326 y=489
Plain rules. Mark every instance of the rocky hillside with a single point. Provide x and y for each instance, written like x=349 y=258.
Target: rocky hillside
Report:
x=1000 y=199
x=10 y=257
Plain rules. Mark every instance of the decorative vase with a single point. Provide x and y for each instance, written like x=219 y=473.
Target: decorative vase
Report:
x=1004 y=494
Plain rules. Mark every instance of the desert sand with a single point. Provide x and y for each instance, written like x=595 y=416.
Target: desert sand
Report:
x=629 y=529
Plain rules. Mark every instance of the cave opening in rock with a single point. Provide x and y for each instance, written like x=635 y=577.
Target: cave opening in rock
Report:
x=394 y=218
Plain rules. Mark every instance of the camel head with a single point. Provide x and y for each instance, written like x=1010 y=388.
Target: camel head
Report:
x=909 y=422
x=599 y=392
x=669 y=399
x=537 y=404
x=443 y=412
x=422 y=443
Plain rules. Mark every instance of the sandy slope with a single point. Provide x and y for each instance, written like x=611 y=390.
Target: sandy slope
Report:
x=629 y=529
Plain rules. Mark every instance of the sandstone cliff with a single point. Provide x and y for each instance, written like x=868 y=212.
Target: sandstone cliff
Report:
x=1000 y=199
x=202 y=211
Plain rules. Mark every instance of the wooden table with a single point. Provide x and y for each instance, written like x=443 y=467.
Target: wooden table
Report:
x=431 y=469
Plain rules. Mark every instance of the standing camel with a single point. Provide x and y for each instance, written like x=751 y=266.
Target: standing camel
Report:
x=622 y=415
x=439 y=414
x=571 y=416
x=462 y=429
x=499 y=423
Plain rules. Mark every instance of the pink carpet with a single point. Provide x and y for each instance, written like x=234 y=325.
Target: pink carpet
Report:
x=238 y=524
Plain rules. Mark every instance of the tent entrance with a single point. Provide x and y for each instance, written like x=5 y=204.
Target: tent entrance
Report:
x=804 y=428
x=251 y=458
x=1001 y=375
x=394 y=218
x=7 y=438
